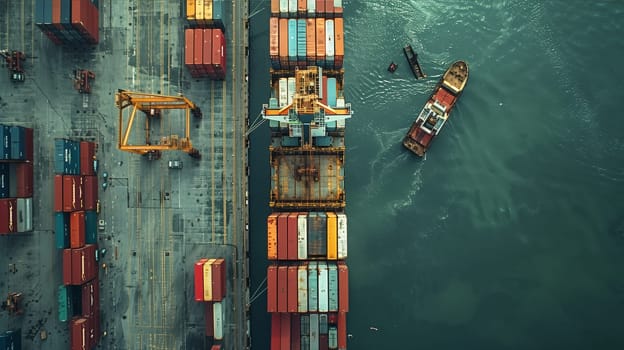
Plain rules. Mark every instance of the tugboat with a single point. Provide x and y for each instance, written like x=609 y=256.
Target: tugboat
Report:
x=392 y=67
x=436 y=111
x=412 y=59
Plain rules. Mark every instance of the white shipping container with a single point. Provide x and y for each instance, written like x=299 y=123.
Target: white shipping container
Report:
x=292 y=6
x=282 y=86
x=291 y=89
x=24 y=214
x=323 y=288
x=302 y=289
x=329 y=39
x=314 y=332
x=217 y=313
x=311 y=6
x=283 y=6
x=302 y=237
x=337 y=3
x=208 y=279
x=342 y=235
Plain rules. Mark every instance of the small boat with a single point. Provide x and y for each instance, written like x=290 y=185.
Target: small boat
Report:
x=437 y=109
x=412 y=59
x=392 y=67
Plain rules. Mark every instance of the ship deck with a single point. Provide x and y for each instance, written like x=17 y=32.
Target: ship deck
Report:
x=158 y=220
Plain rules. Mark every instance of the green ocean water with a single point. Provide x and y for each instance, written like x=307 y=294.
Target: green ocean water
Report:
x=510 y=233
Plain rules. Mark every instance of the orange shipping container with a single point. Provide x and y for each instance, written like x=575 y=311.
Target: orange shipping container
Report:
x=310 y=39
x=272 y=237
x=77 y=229
x=320 y=38
x=339 y=36
x=198 y=51
x=302 y=5
x=208 y=280
x=275 y=7
x=190 y=9
x=188 y=46
x=283 y=37
x=274 y=36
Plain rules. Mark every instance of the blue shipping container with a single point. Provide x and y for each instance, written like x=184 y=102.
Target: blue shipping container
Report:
x=5 y=137
x=59 y=156
x=39 y=13
x=4 y=181
x=312 y=287
x=292 y=39
x=66 y=13
x=47 y=12
x=90 y=227
x=331 y=92
x=217 y=14
x=18 y=144
x=75 y=158
x=301 y=39
x=61 y=230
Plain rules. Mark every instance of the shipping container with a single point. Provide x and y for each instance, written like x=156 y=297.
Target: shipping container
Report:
x=285 y=331
x=18 y=143
x=276 y=327
x=64 y=304
x=275 y=8
x=292 y=88
x=292 y=236
x=311 y=41
x=272 y=289
x=324 y=91
x=320 y=8
x=292 y=8
x=209 y=313
x=329 y=43
x=283 y=43
x=333 y=288
x=295 y=332
x=332 y=338
x=87 y=155
x=67 y=266
x=272 y=237
x=292 y=41
x=8 y=215
x=61 y=230
x=198 y=50
x=199 y=12
x=89 y=298
x=342 y=331
x=339 y=42
x=302 y=236
x=24 y=215
x=331 y=92
x=198 y=273
x=91 y=227
x=343 y=288
x=79 y=333
x=320 y=40
x=323 y=324
x=189 y=44
x=76 y=229
x=83 y=265
x=292 y=286
x=208 y=280
x=58 y=193
x=283 y=92
x=273 y=37
x=311 y=5
x=302 y=288
x=73 y=193
x=342 y=235
x=338 y=10
x=282 y=289
x=312 y=287
x=61 y=156
x=5 y=185
x=317 y=234
x=282 y=236
x=302 y=7
x=218 y=312
x=190 y=10
x=218 y=279
x=5 y=137
x=332 y=236
x=323 y=285
x=314 y=331
x=24 y=180
x=301 y=41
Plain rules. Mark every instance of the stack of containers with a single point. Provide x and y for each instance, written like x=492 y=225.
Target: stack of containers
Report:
x=68 y=22
x=210 y=287
x=205 y=13
x=307 y=279
x=16 y=179
x=306 y=34
x=204 y=53
x=75 y=207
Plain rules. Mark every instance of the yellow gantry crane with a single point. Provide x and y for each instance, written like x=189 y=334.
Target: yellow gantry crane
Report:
x=152 y=106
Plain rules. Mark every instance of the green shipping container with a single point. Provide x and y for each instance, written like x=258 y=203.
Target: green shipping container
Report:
x=63 y=304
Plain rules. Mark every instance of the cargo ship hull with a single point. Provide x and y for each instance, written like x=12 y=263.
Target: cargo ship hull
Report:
x=437 y=109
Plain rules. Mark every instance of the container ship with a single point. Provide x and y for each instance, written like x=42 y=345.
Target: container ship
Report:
x=436 y=111
x=307 y=276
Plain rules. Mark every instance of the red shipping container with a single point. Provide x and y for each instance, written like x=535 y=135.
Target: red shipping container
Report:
x=58 y=193
x=84 y=267
x=292 y=289
x=79 y=333
x=28 y=147
x=216 y=347
x=87 y=154
x=324 y=99
x=209 y=320
x=199 y=279
x=276 y=325
x=283 y=39
x=218 y=54
x=223 y=53
x=323 y=342
x=292 y=236
x=77 y=16
x=189 y=38
x=67 y=266
x=90 y=192
x=207 y=65
x=198 y=50
x=320 y=6
x=282 y=289
x=272 y=289
x=342 y=331
x=88 y=299
x=343 y=288
x=282 y=236
x=329 y=8
x=285 y=331
x=77 y=229
x=218 y=279
x=295 y=332
x=72 y=193
x=8 y=215
x=24 y=177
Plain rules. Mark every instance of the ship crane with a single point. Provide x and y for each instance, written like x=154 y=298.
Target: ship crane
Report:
x=153 y=107
x=15 y=62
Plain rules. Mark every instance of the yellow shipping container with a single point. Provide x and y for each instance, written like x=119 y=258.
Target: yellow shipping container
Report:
x=190 y=9
x=199 y=10
x=208 y=9
x=332 y=236
x=208 y=280
x=272 y=237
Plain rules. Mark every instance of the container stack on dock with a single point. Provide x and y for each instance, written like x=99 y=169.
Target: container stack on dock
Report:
x=75 y=207
x=306 y=33
x=307 y=279
x=210 y=287
x=16 y=179
x=68 y=22
x=204 y=39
